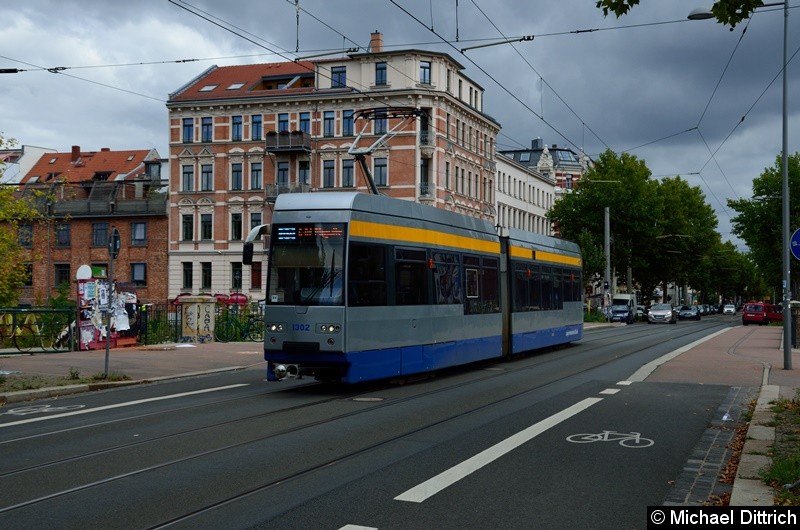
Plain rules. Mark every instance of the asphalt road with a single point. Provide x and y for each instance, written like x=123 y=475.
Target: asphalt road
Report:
x=534 y=442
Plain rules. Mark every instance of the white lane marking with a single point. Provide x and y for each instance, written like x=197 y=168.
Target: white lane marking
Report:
x=610 y=391
x=642 y=373
x=119 y=405
x=441 y=481
x=357 y=527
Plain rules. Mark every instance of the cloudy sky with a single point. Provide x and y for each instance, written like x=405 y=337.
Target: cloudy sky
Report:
x=690 y=98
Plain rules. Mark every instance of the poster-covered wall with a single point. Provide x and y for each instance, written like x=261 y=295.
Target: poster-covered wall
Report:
x=95 y=301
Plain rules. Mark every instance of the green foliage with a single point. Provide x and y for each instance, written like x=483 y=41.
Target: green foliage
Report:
x=759 y=220
x=14 y=212
x=727 y=12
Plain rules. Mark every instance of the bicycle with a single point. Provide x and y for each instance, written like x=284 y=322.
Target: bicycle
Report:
x=25 y=335
x=231 y=327
x=631 y=440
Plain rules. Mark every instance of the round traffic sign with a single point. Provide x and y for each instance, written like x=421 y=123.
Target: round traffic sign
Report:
x=794 y=244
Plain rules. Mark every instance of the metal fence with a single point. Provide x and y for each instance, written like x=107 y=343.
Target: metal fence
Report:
x=36 y=329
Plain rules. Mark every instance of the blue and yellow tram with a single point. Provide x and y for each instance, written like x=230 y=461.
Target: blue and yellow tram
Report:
x=363 y=287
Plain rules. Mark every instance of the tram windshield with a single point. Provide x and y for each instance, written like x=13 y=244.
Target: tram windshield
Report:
x=307 y=264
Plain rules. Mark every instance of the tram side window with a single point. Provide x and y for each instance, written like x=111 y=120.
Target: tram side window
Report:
x=547 y=288
x=482 y=285
x=411 y=278
x=446 y=277
x=367 y=282
x=521 y=287
x=557 y=301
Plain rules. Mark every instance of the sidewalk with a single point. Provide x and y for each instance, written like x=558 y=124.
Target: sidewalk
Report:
x=747 y=357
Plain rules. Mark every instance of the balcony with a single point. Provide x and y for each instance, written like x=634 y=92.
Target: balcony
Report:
x=288 y=142
x=273 y=190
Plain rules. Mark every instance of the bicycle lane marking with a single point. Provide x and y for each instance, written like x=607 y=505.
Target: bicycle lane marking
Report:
x=434 y=485
x=120 y=405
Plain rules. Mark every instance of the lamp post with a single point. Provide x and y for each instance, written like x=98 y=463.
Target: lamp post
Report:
x=699 y=14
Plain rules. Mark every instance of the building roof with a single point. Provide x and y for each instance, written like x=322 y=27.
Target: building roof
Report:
x=563 y=158
x=82 y=166
x=248 y=80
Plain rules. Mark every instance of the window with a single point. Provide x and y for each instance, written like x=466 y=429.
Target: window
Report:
x=425 y=72
x=236 y=176
x=305 y=172
x=139 y=274
x=283 y=122
x=205 y=275
x=305 y=122
x=187 y=178
x=206 y=177
x=236 y=226
x=255 y=219
x=447 y=175
x=328 y=174
x=256 y=127
x=25 y=235
x=328 y=123
x=525 y=157
x=367 y=282
x=380 y=121
x=28 y=275
x=411 y=283
x=236 y=275
x=206 y=227
x=446 y=277
x=62 y=235
x=187 y=227
x=187 y=274
x=256 y=181
x=138 y=234
x=338 y=77
x=380 y=73
x=380 y=172
x=188 y=130
x=61 y=274
x=255 y=275
x=283 y=174
x=236 y=128
x=347 y=123
x=347 y=173
x=99 y=234
x=206 y=129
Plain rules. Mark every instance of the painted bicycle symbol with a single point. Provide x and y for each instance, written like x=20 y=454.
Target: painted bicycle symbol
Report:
x=41 y=409
x=632 y=440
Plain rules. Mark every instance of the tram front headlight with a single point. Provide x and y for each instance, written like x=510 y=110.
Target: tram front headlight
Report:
x=274 y=327
x=329 y=328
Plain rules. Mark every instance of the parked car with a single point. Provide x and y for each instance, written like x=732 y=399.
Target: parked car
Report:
x=661 y=313
x=729 y=309
x=689 y=312
x=761 y=313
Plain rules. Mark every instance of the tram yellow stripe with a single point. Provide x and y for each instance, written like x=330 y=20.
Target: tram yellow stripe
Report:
x=539 y=255
x=421 y=235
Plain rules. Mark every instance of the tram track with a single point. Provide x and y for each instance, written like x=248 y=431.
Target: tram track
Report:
x=442 y=387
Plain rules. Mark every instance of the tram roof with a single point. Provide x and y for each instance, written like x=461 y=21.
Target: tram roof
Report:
x=381 y=205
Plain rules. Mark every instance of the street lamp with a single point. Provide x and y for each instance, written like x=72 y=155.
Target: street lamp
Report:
x=701 y=14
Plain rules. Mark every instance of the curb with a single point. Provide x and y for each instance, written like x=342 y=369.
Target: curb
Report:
x=748 y=488
x=65 y=390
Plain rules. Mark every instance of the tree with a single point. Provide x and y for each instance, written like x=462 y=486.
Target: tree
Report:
x=16 y=213
x=728 y=12
x=759 y=220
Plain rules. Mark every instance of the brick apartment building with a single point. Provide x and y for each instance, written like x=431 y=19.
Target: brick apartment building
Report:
x=241 y=135
x=83 y=196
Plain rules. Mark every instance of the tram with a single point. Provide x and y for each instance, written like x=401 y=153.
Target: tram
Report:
x=363 y=287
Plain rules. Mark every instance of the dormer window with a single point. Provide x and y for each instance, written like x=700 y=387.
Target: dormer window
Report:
x=208 y=88
x=235 y=86
x=101 y=175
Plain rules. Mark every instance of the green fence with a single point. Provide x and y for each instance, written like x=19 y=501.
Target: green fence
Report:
x=37 y=329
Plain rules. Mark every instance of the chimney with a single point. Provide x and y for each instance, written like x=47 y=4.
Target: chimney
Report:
x=76 y=153
x=376 y=42
x=537 y=144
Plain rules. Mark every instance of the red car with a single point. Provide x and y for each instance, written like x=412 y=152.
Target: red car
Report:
x=761 y=313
